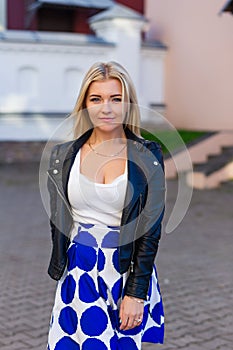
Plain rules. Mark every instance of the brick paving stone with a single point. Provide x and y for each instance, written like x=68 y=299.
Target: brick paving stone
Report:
x=15 y=346
x=14 y=339
x=166 y=346
x=228 y=336
x=194 y=266
x=226 y=320
x=149 y=346
x=191 y=347
x=31 y=342
x=215 y=343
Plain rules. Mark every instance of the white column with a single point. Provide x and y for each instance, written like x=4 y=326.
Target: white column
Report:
x=125 y=33
x=3 y=15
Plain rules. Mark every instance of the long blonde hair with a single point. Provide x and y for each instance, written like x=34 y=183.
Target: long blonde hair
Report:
x=101 y=71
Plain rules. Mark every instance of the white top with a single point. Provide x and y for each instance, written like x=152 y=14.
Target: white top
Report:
x=96 y=203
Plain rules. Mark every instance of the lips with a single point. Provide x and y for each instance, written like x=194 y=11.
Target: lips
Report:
x=106 y=119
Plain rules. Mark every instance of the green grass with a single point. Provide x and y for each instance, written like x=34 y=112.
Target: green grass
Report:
x=172 y=139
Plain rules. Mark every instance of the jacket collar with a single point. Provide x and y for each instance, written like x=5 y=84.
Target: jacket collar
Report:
x=78 y=143
x=140 y=165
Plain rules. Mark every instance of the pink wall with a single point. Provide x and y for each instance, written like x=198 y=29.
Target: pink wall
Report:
x=199 y=64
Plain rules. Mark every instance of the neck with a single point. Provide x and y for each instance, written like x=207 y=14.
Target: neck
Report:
x=99 y=136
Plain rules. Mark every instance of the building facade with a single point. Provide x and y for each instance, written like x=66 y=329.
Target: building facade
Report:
x=199 y=75
x=43 y=59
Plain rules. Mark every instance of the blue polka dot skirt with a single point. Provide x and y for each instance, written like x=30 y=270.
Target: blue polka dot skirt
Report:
x=85 y=315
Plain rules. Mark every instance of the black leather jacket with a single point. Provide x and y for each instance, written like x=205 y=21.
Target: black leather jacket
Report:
x=140 y=228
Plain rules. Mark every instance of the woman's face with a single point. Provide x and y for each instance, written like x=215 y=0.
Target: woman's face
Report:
x=104 y=104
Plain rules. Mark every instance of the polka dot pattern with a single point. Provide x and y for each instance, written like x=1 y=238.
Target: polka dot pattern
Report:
x=117 y=290
x=91 y=344
x=127 y=343
x=157 y=311
x=101 y=261
x=71 y=257
x=85 y=238
x=102 y=288
x=68 y=289
x=146 y=314
x=68 y=320
x=88 y=226
x=115 y=260
x=114 y=342
x=67 y=343
x=87 y=283
x=85 y=258
x=133 y=331
x=88 y=324
x=111 y=240
x=86 y=310
x=114 y=317
x=154 y=334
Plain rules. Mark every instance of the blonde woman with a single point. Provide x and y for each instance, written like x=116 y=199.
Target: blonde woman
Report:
x=107 y=203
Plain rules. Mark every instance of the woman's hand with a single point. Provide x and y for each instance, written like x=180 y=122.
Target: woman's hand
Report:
x=131 y=312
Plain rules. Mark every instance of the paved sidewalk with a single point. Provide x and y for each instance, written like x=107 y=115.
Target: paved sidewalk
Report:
x=194 y=264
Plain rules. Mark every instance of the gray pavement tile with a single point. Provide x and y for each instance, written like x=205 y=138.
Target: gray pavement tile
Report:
x=194 y=266
x=32 y=343
x=215 y=344
x=14 y=339
x=191 y=347
x=166 y=346
x=228 y=335
x=15 y=346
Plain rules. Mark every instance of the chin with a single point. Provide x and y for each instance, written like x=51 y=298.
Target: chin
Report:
x=109 y=127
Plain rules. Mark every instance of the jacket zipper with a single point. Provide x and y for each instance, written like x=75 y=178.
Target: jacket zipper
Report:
x=60 y=194
x=140 y=205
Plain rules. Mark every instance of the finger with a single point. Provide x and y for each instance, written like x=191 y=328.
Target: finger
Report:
x=137 y=322
x=132 y=323
x=124 y=322
x=121 y=316
x=129 y=322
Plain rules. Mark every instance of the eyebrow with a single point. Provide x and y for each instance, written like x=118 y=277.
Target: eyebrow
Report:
x=114 y=95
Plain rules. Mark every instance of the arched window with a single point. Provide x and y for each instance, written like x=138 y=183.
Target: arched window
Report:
x=28 y=82
x=72 y=83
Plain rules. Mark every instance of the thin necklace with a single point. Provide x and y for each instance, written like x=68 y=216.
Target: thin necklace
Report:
x=105 y=155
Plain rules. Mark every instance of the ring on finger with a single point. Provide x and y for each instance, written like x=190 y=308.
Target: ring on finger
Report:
x=138 y=320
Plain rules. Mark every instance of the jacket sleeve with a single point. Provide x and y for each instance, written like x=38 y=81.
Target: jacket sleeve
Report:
x=52 y=193
x=150 y=222
x=60 y=223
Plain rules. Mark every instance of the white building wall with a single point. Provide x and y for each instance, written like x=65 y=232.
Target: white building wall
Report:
x=126 y=34
x=52 y=66
x=152 y=76
x=42 y=74
x=2 y=15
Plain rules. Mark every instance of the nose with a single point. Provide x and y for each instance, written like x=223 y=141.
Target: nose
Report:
x=106 y=108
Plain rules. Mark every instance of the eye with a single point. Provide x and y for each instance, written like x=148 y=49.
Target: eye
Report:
x=95 y=99
x=116 y=99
